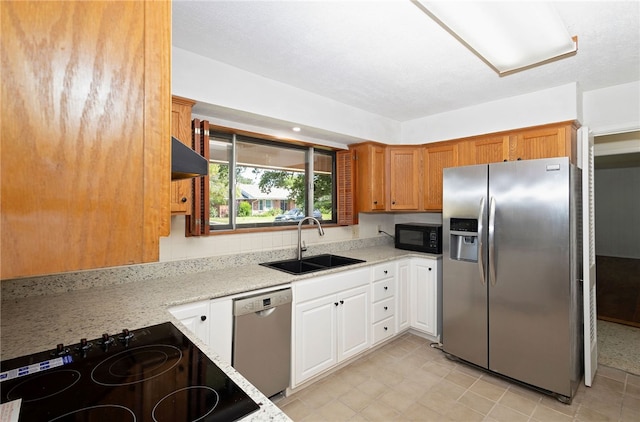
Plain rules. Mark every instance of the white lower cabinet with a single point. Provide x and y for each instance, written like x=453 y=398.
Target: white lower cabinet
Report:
x=331 y=321
x=403 y=277
x=426 y=295
x=383 y=301
x=195 y=316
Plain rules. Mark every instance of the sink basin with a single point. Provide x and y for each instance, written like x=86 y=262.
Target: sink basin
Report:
x=311 y=264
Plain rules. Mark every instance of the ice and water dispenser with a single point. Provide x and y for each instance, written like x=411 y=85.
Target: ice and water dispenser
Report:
x=464 y=239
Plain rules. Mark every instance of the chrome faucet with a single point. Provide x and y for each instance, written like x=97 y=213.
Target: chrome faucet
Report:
x=301 y=246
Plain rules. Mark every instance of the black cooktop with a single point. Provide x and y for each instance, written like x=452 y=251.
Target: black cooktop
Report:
x=152 y=374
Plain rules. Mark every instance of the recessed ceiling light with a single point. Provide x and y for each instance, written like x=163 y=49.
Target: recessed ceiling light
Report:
x=296 y=129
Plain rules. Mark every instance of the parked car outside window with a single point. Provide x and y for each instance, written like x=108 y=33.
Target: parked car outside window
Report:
x=296 y=214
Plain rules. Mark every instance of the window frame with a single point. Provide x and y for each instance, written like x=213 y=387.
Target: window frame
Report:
x=234 y=136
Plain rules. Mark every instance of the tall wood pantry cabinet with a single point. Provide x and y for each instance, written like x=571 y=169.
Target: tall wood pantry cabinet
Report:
x=85 y=134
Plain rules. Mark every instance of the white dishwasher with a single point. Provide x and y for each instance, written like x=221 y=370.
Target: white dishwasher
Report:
x=262 y=340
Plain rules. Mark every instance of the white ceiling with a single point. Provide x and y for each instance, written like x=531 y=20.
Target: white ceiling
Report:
x=390 y=58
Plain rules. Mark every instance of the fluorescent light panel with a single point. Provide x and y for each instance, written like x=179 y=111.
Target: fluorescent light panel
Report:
x=507 y=35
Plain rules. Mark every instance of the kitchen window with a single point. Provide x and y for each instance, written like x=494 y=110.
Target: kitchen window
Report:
x=256 y=182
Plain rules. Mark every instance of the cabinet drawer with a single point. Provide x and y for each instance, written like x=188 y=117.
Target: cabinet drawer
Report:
x=383 y=271
x=384 y=289
x=384 y=309
x=384 y=329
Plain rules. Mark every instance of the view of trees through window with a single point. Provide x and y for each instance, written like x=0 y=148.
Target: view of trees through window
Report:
x=270 y=182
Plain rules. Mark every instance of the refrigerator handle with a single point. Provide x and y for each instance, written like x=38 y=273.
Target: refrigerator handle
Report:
x=483 y=279
x=492 y=241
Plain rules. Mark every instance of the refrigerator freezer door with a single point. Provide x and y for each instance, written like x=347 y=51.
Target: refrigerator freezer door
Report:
x=529 y=304
x=464 y=285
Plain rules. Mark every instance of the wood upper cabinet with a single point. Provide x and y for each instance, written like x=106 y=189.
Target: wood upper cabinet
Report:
x=436 y=158
x=370 y=192
x=181 y=190
x=483 y=150
x=405 y=177
x=85 y=134
x=545 y=142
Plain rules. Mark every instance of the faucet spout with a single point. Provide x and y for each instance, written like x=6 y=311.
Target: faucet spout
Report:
x=320 y=231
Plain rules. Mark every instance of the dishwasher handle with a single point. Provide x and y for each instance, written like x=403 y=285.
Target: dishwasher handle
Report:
x=261 y=303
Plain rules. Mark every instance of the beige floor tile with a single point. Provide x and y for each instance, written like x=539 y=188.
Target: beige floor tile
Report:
x=546 y=414
x=437 y=401
x=296 y=410
x=406 y=380
x=518 y=402
x=460 y=412
x=487 y=389
x=373 y=388
x=476 y=402
x=417 y=412
x=506 y=414
x=357 y=400
x=380 y=412
x=461 y=379
x=336 y=411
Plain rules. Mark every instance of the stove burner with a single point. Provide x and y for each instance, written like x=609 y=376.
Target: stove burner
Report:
x=205 y=400
x=45 y=385
x=136 y=365
x=106 y=412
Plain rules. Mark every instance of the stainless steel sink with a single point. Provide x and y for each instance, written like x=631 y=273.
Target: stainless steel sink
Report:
x=311 y=264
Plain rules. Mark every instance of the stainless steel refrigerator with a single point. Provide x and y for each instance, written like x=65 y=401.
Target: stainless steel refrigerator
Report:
x=512 y=300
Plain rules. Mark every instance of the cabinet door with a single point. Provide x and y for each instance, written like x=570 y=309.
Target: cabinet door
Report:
x=195 y=316
x=315 y=337
x=436 y=158
x=181 y=128
x=542 y=143
x=402 y=296
x=423 y=296
x=221 y=331
x=370 y=177
x=491 y=149
x=405 y=178
x=353 y=322
x=96 y=181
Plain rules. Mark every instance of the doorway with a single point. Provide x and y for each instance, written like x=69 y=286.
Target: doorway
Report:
x=617 y=225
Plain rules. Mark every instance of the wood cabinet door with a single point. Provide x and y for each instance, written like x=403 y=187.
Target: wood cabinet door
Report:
x=370 y=177
x=181 y=190
x=436 y=158
x=540 y=143
x=491 y=149
x=85 y=150
x=405 y=178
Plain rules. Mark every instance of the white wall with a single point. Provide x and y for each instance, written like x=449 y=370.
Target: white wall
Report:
x=219 y=84
x=617 y=208
x=537 y=108
x=614 y=109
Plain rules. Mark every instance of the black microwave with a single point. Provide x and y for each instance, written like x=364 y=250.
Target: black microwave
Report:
x=419 y=237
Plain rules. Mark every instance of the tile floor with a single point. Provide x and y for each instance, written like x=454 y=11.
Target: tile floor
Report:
x=407 y=380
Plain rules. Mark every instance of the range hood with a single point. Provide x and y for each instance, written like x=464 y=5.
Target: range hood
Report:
x=185 y=162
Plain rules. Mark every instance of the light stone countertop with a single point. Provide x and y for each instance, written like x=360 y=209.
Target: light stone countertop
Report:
x=36 y=323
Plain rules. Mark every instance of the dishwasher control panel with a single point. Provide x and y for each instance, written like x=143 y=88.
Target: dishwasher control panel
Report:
x=261 y=302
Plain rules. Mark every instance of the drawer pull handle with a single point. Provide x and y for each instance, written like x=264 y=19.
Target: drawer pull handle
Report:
x=203 y=318
x=386 y=308
x=386 y=328
x=386 y=288
x=386 y=271
x=335 y=303
x=342 y=302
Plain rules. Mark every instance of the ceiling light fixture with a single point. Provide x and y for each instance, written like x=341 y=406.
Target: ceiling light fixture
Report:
x=508 y=36
x=296 y=129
